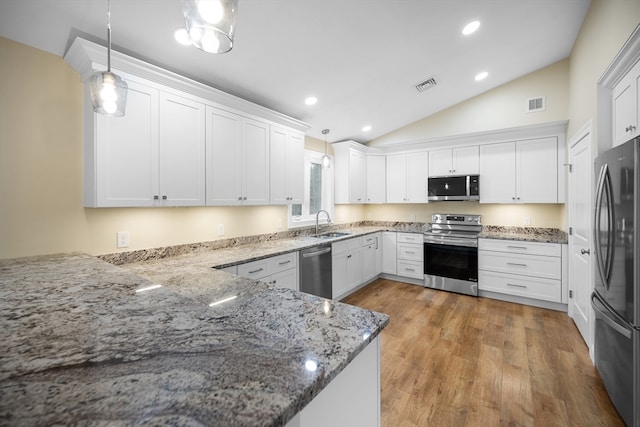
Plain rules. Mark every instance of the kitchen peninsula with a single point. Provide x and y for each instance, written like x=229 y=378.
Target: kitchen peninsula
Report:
x=87 y=342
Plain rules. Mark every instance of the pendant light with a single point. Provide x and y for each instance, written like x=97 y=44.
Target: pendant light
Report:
x=326 y=160
x=211 y=23
x=108 y=90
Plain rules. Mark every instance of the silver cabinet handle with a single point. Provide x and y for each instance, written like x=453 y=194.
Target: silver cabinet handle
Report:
x=240 y=198
x=164 y=197
x=516 y=247
x=256 y=271
x=516 y=264
x=631 y=128
x=517 y=286
x=585 y=251
x=410 y=269
x=410 y=252
x=156 y=197
x=284 y=262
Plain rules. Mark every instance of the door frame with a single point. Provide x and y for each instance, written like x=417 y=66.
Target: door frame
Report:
x=585 y=132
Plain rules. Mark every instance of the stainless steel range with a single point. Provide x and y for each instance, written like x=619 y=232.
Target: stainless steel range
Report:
x=451 y=253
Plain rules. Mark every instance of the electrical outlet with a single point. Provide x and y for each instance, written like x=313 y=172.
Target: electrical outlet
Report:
x=526 y=220
x=220 y=229
x=279 y=223
x=122 y=239
x=413 y=217
x=369 y=216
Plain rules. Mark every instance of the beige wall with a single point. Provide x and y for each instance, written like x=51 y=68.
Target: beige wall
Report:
x=607 y=26
x=500 y=108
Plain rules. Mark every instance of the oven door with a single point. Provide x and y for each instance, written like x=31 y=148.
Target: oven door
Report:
x=451 y=261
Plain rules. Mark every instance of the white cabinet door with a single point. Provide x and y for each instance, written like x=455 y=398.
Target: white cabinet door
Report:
x=537 y=171
x=286 y=166
x=417 y=178
x=223 y=153
x=376 y=179
x=397 y=178
x=285 y=279
x=407 y=178
x=440 y=163
x=465 y=160
x=389 y=257
x=181 y=151
x=626 y=107
x=339 y=281
x=368 y=262
x=237 y=164
x=357 y=177
x=497 y=173
x=121 y=169
x=255 y=162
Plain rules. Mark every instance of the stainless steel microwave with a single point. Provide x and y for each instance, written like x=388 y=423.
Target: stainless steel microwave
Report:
x=454 y=188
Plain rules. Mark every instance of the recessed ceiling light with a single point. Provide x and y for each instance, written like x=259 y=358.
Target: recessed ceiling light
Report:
x=311 y=100
x=182 y=37
x=470 y=28
x=483 y=75
x=366 y=128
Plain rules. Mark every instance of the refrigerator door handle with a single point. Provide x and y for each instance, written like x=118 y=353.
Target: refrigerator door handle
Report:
x=609 y=317
x=604 y=190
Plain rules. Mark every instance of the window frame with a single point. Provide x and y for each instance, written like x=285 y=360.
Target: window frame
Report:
x=311 y=156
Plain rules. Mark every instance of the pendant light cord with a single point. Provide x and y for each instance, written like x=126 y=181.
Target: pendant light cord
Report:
x=109 y=35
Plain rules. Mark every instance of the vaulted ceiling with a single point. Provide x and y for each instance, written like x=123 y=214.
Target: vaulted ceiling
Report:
x=360 y=58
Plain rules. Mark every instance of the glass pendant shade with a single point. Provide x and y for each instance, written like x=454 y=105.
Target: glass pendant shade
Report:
x=211 y=23
x=326 y=161
x=108 y=93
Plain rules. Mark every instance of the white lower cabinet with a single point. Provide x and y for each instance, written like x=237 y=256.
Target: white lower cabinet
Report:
x=409 y=254
x=523 y=269
x=389 y=258
x=351 y=399
x=280 y=270
x=346 y=268
x=371 y=256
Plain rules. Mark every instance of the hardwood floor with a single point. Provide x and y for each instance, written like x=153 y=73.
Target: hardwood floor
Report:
x=455 y=360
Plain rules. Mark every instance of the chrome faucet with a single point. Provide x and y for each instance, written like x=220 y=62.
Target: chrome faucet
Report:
x=318 y=217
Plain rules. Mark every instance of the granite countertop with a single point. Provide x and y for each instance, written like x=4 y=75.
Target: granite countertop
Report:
x=528 y=234
x=81 y=346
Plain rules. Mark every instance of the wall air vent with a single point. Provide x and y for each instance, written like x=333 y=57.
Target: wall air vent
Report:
x=535 y=104
x=427 y=84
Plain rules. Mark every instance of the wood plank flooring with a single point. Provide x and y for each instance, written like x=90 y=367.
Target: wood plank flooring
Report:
x=455 y=360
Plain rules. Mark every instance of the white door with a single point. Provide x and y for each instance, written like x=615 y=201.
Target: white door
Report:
x=580 y=209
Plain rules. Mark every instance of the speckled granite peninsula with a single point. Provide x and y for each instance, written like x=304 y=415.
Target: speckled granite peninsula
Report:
x=85 y=344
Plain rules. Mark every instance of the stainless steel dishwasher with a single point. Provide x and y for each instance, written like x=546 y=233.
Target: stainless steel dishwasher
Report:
x=315 y=270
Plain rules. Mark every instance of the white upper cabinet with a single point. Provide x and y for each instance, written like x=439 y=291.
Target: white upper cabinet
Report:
x=407 y=178
x=350 y=173
x=153 y=156
x=455 y=161
x=626 y=106
x=237 y=159
x=376 y=179
x=182 y=151
x=286 y=166
x=520 y=171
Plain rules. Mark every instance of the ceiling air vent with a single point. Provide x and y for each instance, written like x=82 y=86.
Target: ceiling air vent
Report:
x=427 y=84
x=535 y=104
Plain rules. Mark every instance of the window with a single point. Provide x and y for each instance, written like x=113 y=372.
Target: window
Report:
x=318 y=192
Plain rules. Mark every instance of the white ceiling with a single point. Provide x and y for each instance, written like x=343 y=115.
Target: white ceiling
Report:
x=360 y=58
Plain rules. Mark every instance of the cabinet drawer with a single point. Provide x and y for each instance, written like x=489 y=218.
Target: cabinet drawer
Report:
x=410 y=269
x=254 y=269
x=370 y=239
x=527 y=265
x=409 y=252
x=529 y=287
x=519 y=247
x=410 y=238
x=284 y=262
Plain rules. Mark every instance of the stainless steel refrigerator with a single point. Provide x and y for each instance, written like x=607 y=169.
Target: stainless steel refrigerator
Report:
x=616 y=297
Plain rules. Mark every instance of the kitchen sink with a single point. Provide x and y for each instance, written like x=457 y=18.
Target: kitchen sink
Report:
x=331 y=235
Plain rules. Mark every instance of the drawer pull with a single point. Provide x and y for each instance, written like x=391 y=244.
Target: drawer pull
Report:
x=516 y=264
x=410 y=252
x=517 y=247
x=256 y=271
x=517 y=286
x=410 y=269
x=284 y=262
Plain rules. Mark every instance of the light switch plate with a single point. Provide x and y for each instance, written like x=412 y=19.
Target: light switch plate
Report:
x=220 y=229
x=122 y=239
x=527 y=220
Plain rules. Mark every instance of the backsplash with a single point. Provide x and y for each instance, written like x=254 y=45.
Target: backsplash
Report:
x=491 y=231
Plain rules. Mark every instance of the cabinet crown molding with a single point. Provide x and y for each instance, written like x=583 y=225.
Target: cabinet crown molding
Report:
x=86 y=57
